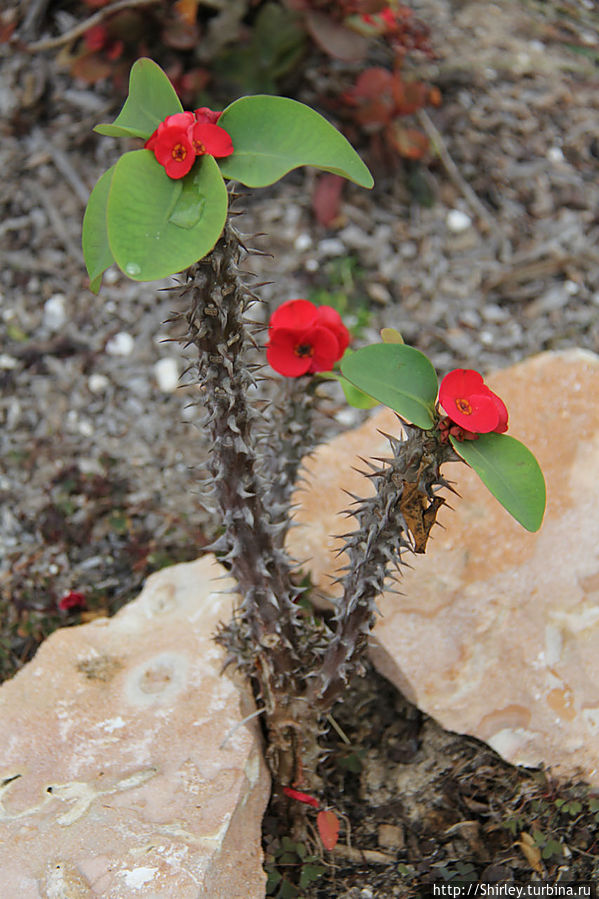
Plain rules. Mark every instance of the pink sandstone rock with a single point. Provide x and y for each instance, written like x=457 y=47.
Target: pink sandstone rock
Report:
x=497 y=634
x=125 y=767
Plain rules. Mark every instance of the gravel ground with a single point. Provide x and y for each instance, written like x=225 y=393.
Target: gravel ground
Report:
x=97 y=443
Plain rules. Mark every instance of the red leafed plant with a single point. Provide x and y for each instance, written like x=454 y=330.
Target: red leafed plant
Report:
x=381 y=99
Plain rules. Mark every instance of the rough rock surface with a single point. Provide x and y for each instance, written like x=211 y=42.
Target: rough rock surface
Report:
x=124 y=770
x=497 y=633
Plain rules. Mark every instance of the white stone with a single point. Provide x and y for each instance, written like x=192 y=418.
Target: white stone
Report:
x=332 y=246
x=555 y=154
x=457 y=221
x=127 y=766
x=120 y=345
x=97 y=383
x=166 y=372
x=55 y=313
x=302 y=242
x=496 y=633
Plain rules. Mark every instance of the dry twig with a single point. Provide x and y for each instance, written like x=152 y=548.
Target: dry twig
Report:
x=52 y=42
x=455 y=175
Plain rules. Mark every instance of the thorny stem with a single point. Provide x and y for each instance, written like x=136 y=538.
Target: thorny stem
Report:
x=398 y=518
x=288 y=441
x=265 y=637
x=300 y=664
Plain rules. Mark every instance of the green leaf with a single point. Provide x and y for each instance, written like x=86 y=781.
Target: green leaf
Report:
x=355 y=397
x=158 y=226
x=151 y=98
x=309 y=874
x=275 y=45
x=94 y=239
x=511 y=472
x=397 y=376
x=272 y=135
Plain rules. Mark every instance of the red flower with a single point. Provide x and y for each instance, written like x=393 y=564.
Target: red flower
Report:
x=183 y=136
x=72 y=600
x=471 y=404
x=305 y=338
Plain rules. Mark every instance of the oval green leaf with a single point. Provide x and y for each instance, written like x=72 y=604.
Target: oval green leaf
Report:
x=397 y=376
x=151 y=98
x=94 y=239
x=158 y=226
x=511 y=472
x=355 y=397
x=273 y=135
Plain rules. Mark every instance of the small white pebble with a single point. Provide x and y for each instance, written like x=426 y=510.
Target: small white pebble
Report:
x=166 y=372
x=120 y=345
x=97 y=383
x=347 y=417
x=311 y=265
x=292 y=214
x=571 y=287
x=555 y=154
x=55 y=313
x=408 y=250
x=332 y=246
x=111 y=275
x=85 y=427
x=457 y=221
x=378 y=293
x=7 y=362
x=302 y=242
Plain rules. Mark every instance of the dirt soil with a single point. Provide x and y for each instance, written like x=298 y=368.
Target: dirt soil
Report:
x=99 y=447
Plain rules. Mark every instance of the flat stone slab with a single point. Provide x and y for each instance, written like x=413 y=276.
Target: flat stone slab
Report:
x=125 y=768
x=497 y=634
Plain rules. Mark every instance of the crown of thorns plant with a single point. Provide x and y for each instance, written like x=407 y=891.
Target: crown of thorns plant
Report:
x=163 y=210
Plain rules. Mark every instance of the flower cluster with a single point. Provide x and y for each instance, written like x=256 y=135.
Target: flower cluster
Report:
x=304 y=338
x=472 y=407
x=183 y=136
